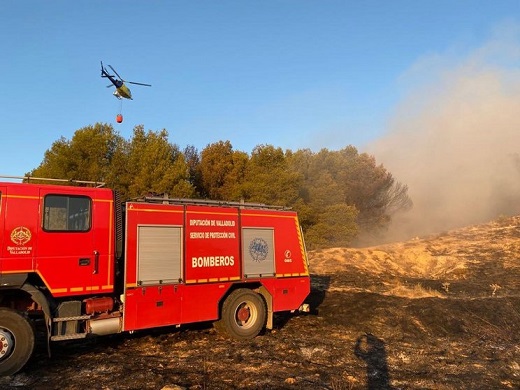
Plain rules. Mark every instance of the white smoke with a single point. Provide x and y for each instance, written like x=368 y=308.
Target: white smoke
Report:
x=455 y=139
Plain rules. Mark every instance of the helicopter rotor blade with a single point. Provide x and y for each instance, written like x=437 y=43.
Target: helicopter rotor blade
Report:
x=133 y=82
x=116 y=73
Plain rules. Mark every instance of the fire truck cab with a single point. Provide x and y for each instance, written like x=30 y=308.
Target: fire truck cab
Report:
x=88 y=264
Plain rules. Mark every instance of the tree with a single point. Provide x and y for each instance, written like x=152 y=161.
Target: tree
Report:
x=192 y=157
x=345 y=177
x=89 y=155
x=222 y=171
x=269 y=179
x=372 y=189
x=325 y=216
x=156 y=166
x=335 y=226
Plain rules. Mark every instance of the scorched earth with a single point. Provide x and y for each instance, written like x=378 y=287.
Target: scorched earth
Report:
x=438 y=312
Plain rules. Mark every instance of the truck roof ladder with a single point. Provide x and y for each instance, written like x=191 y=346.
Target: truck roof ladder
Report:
x=207 y=202
x=27 y=179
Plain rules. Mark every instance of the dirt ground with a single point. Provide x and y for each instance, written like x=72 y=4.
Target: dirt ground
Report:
x=439 y=312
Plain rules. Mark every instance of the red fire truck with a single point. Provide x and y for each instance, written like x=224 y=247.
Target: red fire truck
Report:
x=88 y=264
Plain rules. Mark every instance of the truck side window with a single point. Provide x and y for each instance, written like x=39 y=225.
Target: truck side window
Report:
x=67 y=213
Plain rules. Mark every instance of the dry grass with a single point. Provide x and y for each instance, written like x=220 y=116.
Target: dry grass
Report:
x=416 y=291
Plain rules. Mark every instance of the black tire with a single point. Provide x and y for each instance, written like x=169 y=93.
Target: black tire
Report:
x=16 y=341
x=243 y=315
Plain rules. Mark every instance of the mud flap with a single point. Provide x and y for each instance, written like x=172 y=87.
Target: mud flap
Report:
x=269 y=301
x=38 y=297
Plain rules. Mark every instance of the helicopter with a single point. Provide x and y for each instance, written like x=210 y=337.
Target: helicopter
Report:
x=122 y=91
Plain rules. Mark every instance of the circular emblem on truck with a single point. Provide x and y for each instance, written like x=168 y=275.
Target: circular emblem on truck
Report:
x=20 y=235
x=258 y=249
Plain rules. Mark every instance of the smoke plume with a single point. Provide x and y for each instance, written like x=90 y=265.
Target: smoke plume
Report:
x=455 y=140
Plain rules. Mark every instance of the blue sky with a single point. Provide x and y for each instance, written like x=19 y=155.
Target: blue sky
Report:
x=294 y=74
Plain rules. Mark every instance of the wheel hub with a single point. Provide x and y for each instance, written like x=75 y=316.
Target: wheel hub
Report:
x=6 y=343
x=243 y=314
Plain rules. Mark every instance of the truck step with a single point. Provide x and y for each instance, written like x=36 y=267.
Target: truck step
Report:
x=74 y=318
x=72 y=336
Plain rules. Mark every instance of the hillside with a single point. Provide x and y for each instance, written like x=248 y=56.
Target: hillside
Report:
x=437 y=312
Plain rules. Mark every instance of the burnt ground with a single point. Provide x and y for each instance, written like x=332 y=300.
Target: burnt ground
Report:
x=439 y=312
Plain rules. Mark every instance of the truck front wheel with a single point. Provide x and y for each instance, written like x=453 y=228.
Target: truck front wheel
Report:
x=243 y=314
x=16 y=341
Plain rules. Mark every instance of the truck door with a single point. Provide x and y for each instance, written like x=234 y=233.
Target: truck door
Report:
x=66 y=257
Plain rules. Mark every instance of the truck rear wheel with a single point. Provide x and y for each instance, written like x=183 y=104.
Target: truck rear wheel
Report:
x=16 y=341
x=243 y=314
